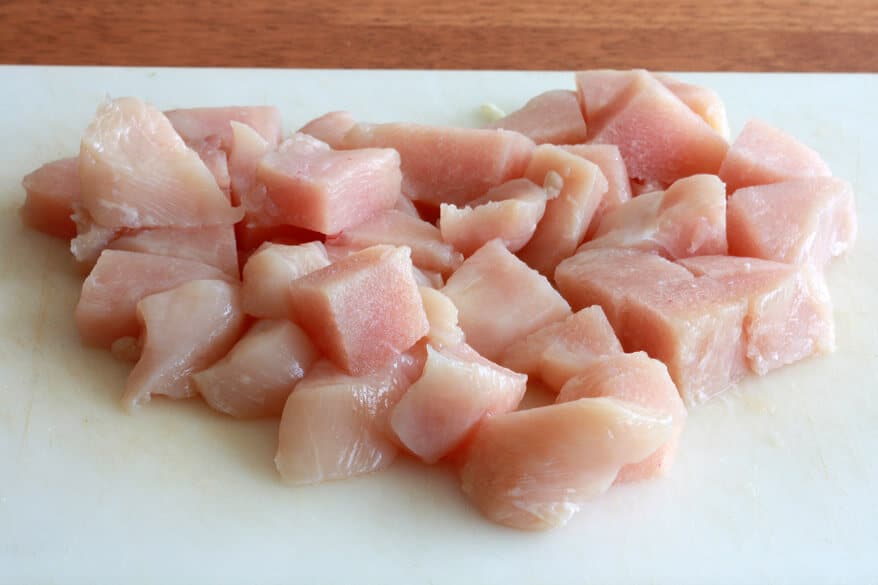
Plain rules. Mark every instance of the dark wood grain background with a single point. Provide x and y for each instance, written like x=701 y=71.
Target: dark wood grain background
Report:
x=738 y=35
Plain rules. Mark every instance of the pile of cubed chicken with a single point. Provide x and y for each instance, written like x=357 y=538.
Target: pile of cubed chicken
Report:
x=392 y=289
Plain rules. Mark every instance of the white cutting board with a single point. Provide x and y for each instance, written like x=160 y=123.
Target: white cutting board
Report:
x=775 y=483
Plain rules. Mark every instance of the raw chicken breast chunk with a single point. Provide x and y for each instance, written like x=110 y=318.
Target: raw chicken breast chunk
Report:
x=255 y=378
x=320 y=189
x=533 y=469
x=553 y=117
x=363 y=310
x=501 y=299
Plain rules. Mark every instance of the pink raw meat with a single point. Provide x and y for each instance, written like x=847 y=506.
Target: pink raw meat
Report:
x=448 y=165
x=702 y=100
x=509 y=212
x=327 y=191
x=695 y=329
x=456 y=390
x=216 y=161
x=567 y=217
x=363 y=310
x=52 y=190
x=428 y=278
x=692 y=325
x=598 y=277
x=396 y=228
x=336 y=426
x=136 y=171
x=659 y=137
x=248 y=148
x=501 y=299
x=609 y=160
x=91 y=238
x=255 y=378
x=107 y=307
x=764 y=154
x=407 y=206
x=559 y=351
x=213 y=245
x=634 y=378
x=799 y=221
x=442 y=315
x=210 y=132
x=270 y=270
x=688 y=219
x=553 y=117
x=789 y=314
x=601 y=92
x=533 y=469
x=330 y=128
x=196 y=125
x=185 y=330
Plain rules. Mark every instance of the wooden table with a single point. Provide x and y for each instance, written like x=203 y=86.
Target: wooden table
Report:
x=738 y=35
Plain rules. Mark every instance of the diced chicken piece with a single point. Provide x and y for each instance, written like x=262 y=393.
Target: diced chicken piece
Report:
x=107 y=308
x=789 y=314
x=702 y=100
x=533 y=469
x=800 y=221
x=330 y=128
x=763 y=154
x=426 y=278
x=336 y=426
x=568 y=216
x=688 y=219
x=216 y=161
x=457 y=389
x=553 y=117
x=695 y=328
x=136 y=172
x=448 y=165
x=211 y=133
x=327 y=191
x=396 y=228
x=407 y=206
x=634 y=378
x=659 y=137
x=196 y=125
x=91 y=239
x=270 y=270
x=597 y=277
x=248 y=148
x=501 y=299
x=185 y=330
x=211 y=245
x=262 y=221
x=255 y=378
x=363 y=310
x=609 y=160
x=52 y=190
x=601 y=93
x=559 y=351
x=692 y=325
x=442 y=315
x=509 y=212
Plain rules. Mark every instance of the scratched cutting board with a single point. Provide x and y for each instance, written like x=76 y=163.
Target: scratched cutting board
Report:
x=775 y=482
